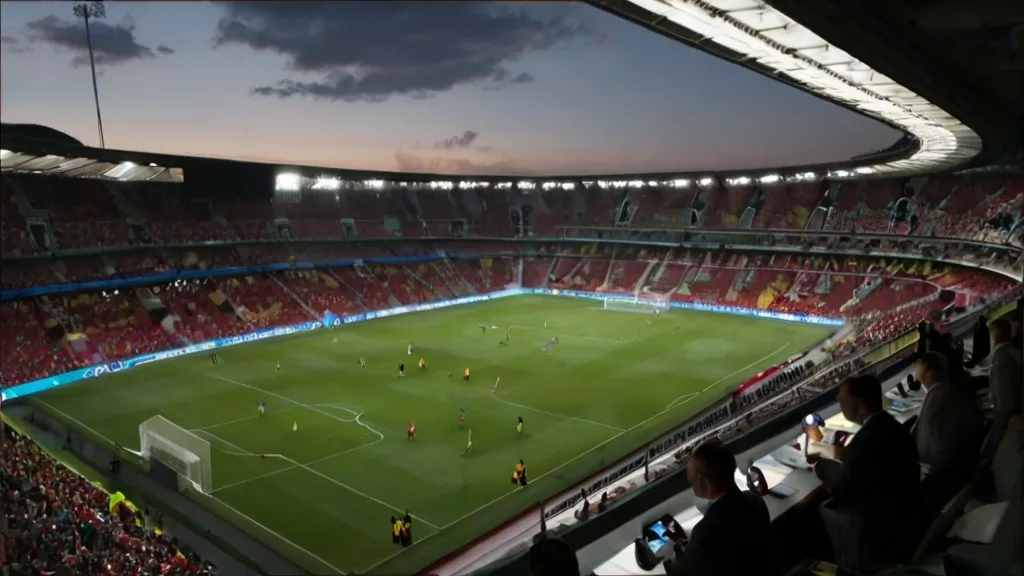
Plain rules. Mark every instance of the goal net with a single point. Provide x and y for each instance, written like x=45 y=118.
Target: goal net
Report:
x=178 y=449
x=649 y=305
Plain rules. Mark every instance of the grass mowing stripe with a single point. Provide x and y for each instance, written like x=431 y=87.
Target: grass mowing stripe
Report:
x=334 y=568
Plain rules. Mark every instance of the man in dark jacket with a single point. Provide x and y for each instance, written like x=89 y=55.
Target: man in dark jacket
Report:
x=948 y=431
x=731 y=518
x=874 y=516
x=980 y=343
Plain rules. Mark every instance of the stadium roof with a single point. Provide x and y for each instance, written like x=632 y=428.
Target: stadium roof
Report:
x=34 y=149
x=948 y=122
x=22 y=153
x=754 y=34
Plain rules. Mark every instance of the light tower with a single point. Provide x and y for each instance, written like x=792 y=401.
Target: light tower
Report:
x=85 y=12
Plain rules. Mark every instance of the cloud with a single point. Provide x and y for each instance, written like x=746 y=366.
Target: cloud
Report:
x=111 y=44
x=463 y=141
x=372 y=51
x=412 y=162
x=12 y=45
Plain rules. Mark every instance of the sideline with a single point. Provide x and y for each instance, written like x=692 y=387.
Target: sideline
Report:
x=494 y=395
x=688 y=397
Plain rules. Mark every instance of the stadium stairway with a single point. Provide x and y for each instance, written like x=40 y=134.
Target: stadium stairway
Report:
x=355 y=293
x=427 y=285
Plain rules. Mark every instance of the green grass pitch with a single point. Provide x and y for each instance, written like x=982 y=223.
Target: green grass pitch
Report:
x=614 y=381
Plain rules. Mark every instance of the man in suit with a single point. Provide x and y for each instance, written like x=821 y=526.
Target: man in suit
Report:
x=981 y=343
x=731 y=518
x=948 y=431
x=873 y=517
x=1004 y=382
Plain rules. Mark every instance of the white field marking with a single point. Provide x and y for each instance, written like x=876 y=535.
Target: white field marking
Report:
x=571 y=336
x=399 y=432
x=294 y=464
x=563 y=416
x=328 y=478
x=726 y=377
x=296 y=403
x=334 y=568
x=332 y=416
x=235 y=421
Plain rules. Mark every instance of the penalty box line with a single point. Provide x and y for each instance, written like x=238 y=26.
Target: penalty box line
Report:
x=333 y=417
x=248 y=518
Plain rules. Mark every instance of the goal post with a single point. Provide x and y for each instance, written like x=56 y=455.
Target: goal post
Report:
x=178 y=449
x=649 y=304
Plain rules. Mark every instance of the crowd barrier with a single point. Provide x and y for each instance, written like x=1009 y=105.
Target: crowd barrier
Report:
x=330 y=320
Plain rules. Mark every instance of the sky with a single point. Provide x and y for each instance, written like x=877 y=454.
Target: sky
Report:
x=447 y=87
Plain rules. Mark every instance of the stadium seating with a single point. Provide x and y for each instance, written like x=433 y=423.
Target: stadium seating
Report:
x=105 y=327
x=57 y=522
x=83 y=214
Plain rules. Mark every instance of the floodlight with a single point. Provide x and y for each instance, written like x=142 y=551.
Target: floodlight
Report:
x=680 y=183
x=706 y=181
x=5 y=154
x=326 y=183
x=568 y=186
x=770 y=179
x=287 y=182
x=374 y=184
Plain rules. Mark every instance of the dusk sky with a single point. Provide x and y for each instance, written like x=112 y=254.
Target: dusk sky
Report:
x=461 y=88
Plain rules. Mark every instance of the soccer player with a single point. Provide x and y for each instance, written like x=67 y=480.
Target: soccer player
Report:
x=362 y=362
x=409 y=349
x=508 y=334
x=278 y=364
x=462 y=414
x=262 y=407
x=423 y=364
x=396 y=530
x=496 y=382
x=519 y=426
x=411 y=430
x=407 y=529
x=519 y=473
x=465 y=375
x=469 y=444
x=401 y=369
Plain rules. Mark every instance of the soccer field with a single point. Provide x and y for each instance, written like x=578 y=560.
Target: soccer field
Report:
x=327 y=489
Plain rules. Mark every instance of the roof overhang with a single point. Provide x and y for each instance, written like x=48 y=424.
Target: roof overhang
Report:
x=754 y=34
x=74 y=166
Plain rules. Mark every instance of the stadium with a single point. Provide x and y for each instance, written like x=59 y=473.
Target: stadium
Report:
x=596 y=328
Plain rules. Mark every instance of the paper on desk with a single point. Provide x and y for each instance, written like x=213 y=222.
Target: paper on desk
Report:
x=980 y=525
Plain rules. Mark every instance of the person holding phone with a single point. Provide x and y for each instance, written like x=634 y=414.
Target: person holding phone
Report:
x=711 y=550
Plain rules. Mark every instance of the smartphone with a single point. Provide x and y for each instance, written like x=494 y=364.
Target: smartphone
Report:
x=657 y=536
x=783 y=491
